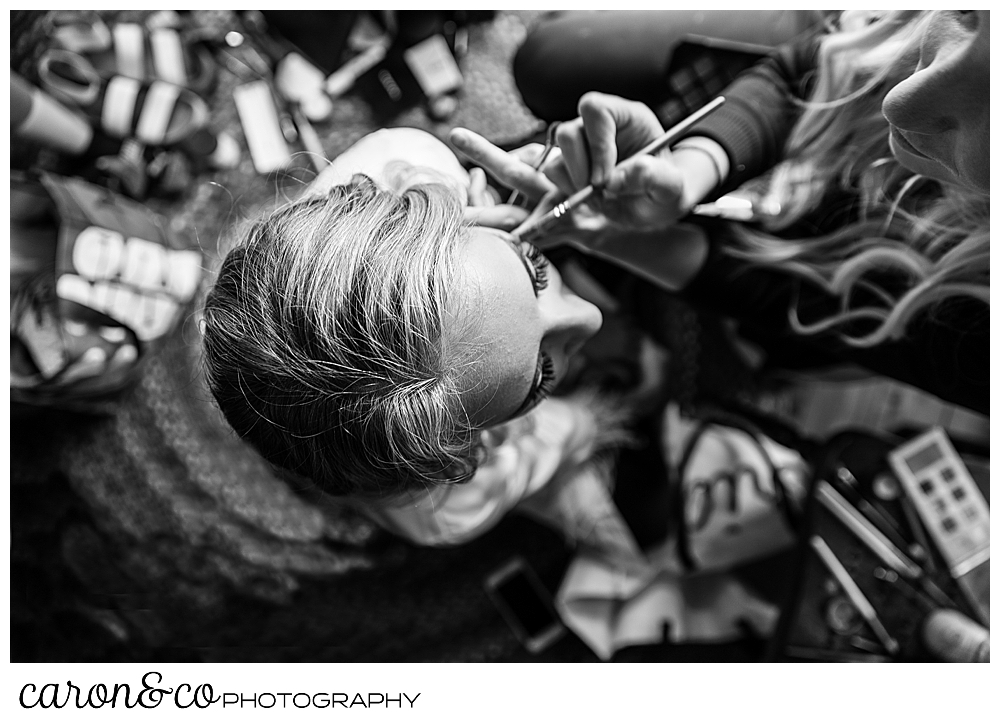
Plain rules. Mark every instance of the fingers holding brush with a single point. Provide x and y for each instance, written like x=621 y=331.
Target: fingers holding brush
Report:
x=510 y=169
x=500 y=216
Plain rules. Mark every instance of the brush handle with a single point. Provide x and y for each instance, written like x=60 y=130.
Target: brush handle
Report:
x=543 y=223
x=854 y=593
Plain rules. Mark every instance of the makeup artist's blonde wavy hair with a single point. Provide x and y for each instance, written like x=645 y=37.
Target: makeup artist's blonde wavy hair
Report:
x=933 y=235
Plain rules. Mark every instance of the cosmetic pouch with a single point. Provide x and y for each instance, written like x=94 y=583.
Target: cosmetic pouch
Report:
x=98 y=283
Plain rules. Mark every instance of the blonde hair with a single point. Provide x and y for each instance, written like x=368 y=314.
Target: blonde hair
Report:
x=323 y=340
x=934 y=237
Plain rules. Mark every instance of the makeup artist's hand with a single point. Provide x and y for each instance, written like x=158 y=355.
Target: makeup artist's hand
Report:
x=669 y=259
x=641 y=192
x=484 y=207
x=516 y=170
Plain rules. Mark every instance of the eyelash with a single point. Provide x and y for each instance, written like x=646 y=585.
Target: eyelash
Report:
x=545 y=376
x=542 y=385
x=540 y=264
x=545 y=373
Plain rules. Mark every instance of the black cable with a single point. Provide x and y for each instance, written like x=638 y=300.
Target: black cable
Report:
x=678 y=494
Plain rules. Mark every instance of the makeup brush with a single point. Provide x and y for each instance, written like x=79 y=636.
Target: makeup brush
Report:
x=539 y=226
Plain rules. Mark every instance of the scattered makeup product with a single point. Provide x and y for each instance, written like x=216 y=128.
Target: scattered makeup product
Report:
x=434 y=67
x=907 y=588
x=37 y=116
x=342 y=79
x=865 y=531
x=301 y=82
x=842 y=616
x=850 y=487
x=919 y=534
x=543 y=223
x=954 y=638
x=259 y=115
x=886 y=487
x=947 y=633
x=952 y=509
x=875 y=541
x=854 y=593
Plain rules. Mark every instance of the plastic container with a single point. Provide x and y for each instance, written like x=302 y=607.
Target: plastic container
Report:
x=954 y=638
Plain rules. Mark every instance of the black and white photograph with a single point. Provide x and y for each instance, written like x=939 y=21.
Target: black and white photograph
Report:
x=494 y=336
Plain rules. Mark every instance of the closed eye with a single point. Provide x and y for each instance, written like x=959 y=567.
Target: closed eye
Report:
x=539 y=264
x=542 y=385
x=537 y=268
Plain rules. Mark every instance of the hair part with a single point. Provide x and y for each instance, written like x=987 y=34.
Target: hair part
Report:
x=323 y=340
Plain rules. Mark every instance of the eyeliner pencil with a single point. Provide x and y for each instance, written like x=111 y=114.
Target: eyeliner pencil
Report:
x=543 y=223
x=873 y=538
x=853 y=592
x=875 y=541
x=890 y=528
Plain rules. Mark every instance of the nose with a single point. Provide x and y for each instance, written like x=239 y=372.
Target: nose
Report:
x=569 y=321
x=920 y=104
x=939 y=93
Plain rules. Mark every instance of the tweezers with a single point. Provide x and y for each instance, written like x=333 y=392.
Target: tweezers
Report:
x=550 y=143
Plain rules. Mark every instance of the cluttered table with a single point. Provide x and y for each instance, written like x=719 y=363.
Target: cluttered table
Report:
x=894 y=558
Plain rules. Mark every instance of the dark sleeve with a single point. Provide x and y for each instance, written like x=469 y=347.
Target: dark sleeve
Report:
x=760 y=109
x=945 y=351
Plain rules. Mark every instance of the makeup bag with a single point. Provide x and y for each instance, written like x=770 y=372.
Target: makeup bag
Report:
x=98 y=282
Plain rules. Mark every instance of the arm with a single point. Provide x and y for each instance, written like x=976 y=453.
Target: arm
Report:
x=760 y=110
x=742 y=139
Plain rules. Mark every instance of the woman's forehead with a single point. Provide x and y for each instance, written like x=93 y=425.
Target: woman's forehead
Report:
x=492 y=328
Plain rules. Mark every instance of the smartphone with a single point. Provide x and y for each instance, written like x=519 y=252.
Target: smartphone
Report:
x=525 y=604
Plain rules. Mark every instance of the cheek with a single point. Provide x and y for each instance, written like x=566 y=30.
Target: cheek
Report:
x=973 y=158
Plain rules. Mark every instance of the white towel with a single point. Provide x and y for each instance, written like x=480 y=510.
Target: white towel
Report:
x=610 y=609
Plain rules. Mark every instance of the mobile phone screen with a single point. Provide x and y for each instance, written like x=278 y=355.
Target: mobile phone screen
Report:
x=524 y=601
